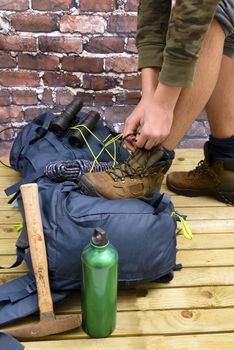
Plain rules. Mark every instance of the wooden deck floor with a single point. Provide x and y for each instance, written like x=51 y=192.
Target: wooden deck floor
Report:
x=195 y=311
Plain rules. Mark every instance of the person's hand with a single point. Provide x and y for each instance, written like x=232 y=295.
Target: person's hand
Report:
x=152 y=118
x=151 y=121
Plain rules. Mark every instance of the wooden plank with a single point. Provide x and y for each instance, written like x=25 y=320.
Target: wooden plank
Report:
x=7 y=172
x=212 y=226
x=222 y=341
x=165 y=322
x=5 y=206
x=197 y=227
x=10 y=217
x=201 y=201
x=8 y=231
x=6 y=277
x=199 y=276
x=189 y=258
x=189 y=276
x=160 y=299
x=7 y=246
x=222 y=213
x=8 y=181
x=8 y=260
x=201 y=241
x=199 y=258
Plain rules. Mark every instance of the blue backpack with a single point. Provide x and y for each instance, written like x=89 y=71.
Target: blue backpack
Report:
x=143 y=233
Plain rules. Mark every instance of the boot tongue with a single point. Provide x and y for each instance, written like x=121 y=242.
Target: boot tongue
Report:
x=143 y=158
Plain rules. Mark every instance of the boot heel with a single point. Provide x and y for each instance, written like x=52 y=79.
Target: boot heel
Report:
x=226 y=197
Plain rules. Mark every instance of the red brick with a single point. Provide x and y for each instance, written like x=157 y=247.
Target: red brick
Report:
x=197 y=130
x=97 y=6
x=105 y=44
x=103 y=99
x=6 y=132
x=121 y=64
x=52 y=5
x=5 y=149
x=87 y=98
x=24 y=97
x=98 y=82
x=11 y=78
x=131 y=5
x=207 y=127
x=64 y=97
x=192 y=143
x=203 y=115
x=128 y=98
x=32 y=113
x=131 y=45
x=132 y=82
x=38 y=62
x=19 y=5
x=34 y=23
x=4 y=98
x=61 y=79
x=6 y=61
x=82 y=24
x=118 y=114
x=60 y=44
x=121 y=24
x=17 y=43
x=47 y=97
x=12 y=113
x=83 y=64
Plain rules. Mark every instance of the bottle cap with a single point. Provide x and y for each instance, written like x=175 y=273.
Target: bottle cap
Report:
x=99 y=237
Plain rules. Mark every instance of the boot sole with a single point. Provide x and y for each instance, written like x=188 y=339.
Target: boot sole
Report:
x=225 y=197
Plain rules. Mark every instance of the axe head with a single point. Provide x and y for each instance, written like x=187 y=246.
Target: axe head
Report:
x=46 y=326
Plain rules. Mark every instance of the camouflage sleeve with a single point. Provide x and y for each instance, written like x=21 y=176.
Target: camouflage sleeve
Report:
x=152 y=25
x=176 y=50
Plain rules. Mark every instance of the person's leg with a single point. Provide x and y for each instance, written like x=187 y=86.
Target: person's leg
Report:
x=215 y=175
x=193 y=100
x=220 y=107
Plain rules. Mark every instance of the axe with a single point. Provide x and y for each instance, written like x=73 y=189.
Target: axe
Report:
x=48 y=323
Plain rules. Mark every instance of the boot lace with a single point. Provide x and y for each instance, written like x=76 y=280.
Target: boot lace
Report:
x=124 y=169
x=201 y=168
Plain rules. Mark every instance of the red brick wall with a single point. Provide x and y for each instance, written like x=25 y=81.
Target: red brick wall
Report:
x=53 y=50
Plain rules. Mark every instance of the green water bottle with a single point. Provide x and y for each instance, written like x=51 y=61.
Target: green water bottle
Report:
x=99 y=286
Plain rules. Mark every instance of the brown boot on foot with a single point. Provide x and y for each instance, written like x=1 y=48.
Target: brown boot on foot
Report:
x=209 y=178
x=137 y=177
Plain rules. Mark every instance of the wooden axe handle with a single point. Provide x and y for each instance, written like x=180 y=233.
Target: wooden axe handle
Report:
x=37 y=246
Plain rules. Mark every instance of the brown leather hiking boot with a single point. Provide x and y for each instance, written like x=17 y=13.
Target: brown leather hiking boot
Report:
x=208 y=178
x=137 y=177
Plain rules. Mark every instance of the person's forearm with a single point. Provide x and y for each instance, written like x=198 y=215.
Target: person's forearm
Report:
x=149 y=81
x=166 y=96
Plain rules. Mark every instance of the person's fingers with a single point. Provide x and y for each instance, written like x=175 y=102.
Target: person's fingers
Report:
x=129 y=146
x=149 y=144
x=130 y=126
x=141 y=140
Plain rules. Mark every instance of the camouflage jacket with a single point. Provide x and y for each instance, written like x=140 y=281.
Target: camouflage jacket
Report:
x=171 y=38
